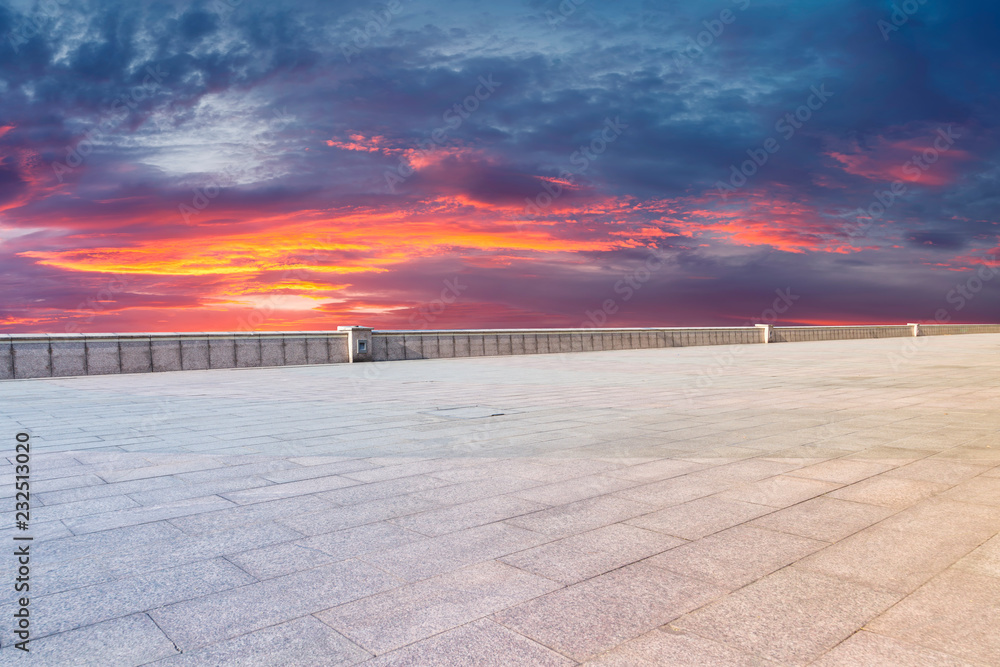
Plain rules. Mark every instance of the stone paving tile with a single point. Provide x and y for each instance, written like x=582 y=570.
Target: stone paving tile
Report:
x=665 y=646
x=674 y=491
x=779 y=491
x=697 y=518
x=365 y=493
x=135 y=640
x=735 y=557
x=889 y=455
x=301 y=472
x=254 y=467
x=234 y=515
x=790 y=617
x=339 y=518
x=467 y=515
x=894 y=492
x=83 y=508
x=823 y=518
x=157 y=556
x=280 y=559
x=589 y=554
x=937 y=470
x=972 y=455
x=305 y=487
x=213 y=618
x=868 y=648
x=841 y=471
x=656 y=471
x=58 y=484
x=128 y=538
x=132 y=517
x=807 y=456
x=395 y=618
x=956 y=613
x=451 y=493
x=184 y=491
x=146 y=472
x=86 y=606
x=580 y=516
x=985 y=559
x=361 y=540
x=437 y=555
x=102 y=490
x=313 y=461
x=746 y=470
x=385 y=473
x=597 y=614
x=304 y=642
x=981 y=490
x=904 y=551
x=482 y=643
x=572 y=490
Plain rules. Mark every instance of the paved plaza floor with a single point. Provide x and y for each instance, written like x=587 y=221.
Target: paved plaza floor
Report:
x=828 y=503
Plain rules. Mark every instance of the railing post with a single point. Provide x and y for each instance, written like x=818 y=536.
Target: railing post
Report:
x=915 y=327
x=359 y=343
x=765 y=331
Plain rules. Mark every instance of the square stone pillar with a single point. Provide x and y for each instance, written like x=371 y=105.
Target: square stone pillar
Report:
x=765 y=330
x=915 y=327
x=359 y=343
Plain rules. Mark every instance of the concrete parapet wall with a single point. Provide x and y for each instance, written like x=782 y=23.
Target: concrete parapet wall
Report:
x=398 y=345
x=63 y=355
x=949 y=329
x=803 y=334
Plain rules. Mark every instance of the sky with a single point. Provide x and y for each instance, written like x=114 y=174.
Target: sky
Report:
x=233 y=165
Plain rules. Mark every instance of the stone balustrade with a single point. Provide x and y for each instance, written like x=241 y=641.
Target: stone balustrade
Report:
x=62 y=355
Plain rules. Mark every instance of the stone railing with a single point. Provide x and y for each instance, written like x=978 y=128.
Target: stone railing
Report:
x=62 y=355
x=949 y=329
x=803 y=334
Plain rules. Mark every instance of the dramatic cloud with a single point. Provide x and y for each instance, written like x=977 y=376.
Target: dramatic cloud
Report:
x=227 y=164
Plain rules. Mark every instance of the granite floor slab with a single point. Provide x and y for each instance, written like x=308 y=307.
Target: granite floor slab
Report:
x=816 y=503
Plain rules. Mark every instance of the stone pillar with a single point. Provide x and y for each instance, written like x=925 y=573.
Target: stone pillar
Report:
x=915 y=327
x=765 y=331
x=359 y=343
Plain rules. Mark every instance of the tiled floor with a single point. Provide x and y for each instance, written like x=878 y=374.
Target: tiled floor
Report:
x=832 y=503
